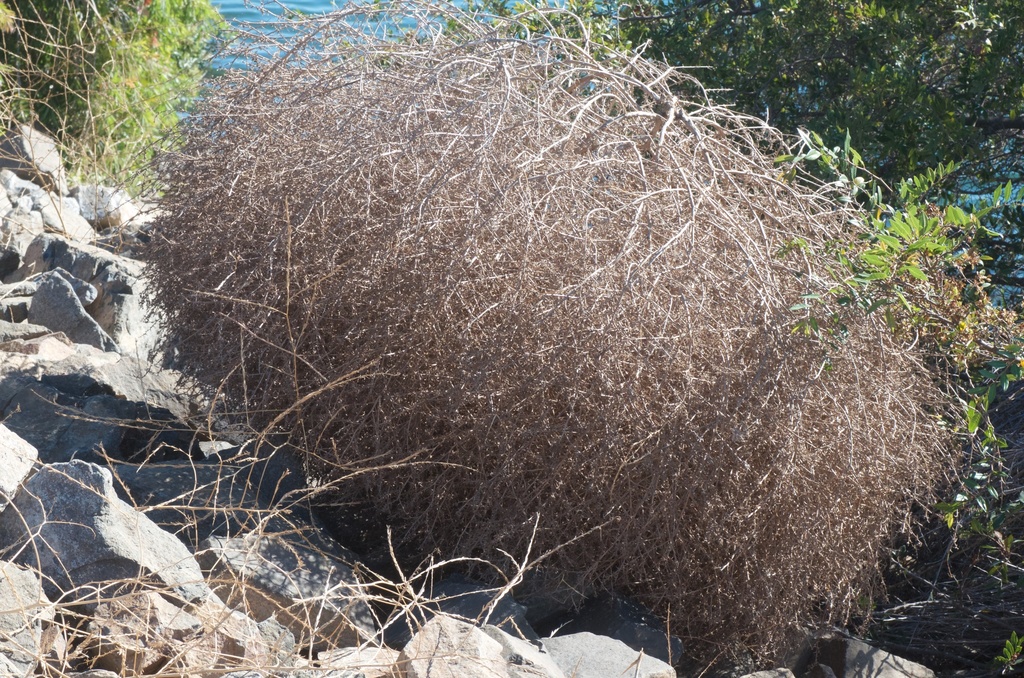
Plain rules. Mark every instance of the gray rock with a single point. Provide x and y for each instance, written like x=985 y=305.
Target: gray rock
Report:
x=33 y=155
x=86 y=292
x=17 y=458
x=369 y=662
x=24 y=610
x=118 y=309
x=199 y=499
x=25 y=288
x=68 y=524
x=585 y=655
x=24 y=220
x=142 y=633
x=194 y=501
x=771 y=673
x=55 y=305
x=61 y=216
x=5 y=203
x=64 y=425
x=449 y=648
x=16 y=188
x=852 y=658
x=237 y=640
x=624 y=619
x=105 y=207
x=14 y=243
x=314 y=594
x=459 y=597
x=15 y=309
x=116 y=375
x=525 y=658
x=10 y=331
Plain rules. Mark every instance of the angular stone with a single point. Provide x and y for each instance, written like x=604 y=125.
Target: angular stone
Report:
x=17 y=458
x=24 y=611
x=624 y=619
x=196 y=500
x=314 y=594
x=19 y=219
x=118 y=308
x=142 y=633
x=449 y=648
x=370 y=662
x=15 y=309
x=67 y=523
x=233 y=639
x=462 y=598
x=526 y=659
x=33 y=155
x=86 y=292
x=55 y=305
x=105 y=207
x=61 y=215
x=16 y=188
x=852 y=658
x=51 y=346
x=10 y=331
x=117 y=375
x=64 y=424
x=771 y=673
x=585 y=655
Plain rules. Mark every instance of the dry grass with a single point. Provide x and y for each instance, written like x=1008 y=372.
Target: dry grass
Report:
x=508 y=279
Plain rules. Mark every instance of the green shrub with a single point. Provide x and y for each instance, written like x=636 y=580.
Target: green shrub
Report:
x=107 y=78
x=533 y=302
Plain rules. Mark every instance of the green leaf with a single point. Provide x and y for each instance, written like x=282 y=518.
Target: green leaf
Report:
x=973 y=417
x=915 y=272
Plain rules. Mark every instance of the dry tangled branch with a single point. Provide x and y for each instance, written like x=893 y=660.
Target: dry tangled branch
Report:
x=550 y=279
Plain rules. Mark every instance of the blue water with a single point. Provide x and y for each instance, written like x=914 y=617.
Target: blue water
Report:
x=239 y=11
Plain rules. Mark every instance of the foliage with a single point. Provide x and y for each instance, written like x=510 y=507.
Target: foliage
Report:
x=916 y=84
x=107 y=78
x=1011 y=656
x=921 y=265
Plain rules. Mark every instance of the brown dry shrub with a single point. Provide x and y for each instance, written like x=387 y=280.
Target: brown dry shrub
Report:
x=513 y=276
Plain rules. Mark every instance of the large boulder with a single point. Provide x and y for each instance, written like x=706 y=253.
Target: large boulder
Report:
x=314 y=593
x=33 y=155
x=449 y=648
x=585 y=655
x=852 y=658
x=56 y=305
x=118 y=308
x=68 y=524
x=105 y=207
x=199 y=499
x=95 y=372
x=61 y=215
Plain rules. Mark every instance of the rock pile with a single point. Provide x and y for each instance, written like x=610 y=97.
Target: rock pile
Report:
x=133 y=543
